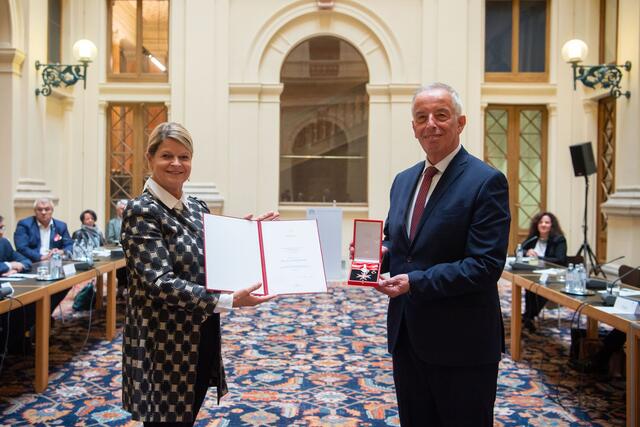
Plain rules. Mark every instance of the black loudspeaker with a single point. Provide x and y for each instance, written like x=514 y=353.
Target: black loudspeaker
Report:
x=582 y=159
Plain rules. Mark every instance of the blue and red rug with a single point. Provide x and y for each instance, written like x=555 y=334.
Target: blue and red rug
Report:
x=306 y=361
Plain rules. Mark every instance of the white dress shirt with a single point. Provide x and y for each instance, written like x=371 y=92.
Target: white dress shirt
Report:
x=45 y=237
x=225 y=302
x=441 y=166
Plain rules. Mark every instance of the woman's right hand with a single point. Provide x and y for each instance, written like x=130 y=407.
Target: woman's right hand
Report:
x=532 y=253
x=244 y=298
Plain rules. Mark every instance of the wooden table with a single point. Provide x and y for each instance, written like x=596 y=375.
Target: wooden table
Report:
x=109 y=267
x=30 y=290
x=630 y=324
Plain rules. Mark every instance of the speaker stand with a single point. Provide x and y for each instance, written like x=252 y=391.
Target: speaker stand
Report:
x=585 y=249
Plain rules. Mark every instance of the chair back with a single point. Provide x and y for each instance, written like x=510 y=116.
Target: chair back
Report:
x=632 y=279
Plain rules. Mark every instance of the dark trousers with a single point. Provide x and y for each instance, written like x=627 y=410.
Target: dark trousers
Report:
x=533 y=304
x=206 y=356
x=21 y=320
x=431 y=395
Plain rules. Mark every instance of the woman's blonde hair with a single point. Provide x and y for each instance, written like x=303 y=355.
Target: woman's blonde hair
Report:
x=172 y=130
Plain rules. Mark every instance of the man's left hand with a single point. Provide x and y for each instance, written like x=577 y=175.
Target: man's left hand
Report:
x=394 y=286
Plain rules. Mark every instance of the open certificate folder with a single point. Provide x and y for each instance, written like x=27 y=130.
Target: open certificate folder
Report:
x=284 y=255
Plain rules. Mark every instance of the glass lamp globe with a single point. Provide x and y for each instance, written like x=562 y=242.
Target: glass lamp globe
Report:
x=84 y=50
x=574 y=51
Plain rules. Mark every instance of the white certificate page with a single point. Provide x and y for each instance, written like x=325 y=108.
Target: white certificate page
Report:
x=292 y=257
x=232 y=253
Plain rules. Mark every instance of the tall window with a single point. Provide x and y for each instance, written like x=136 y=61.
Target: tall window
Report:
x=54 y=31
x=129 y=128
x=324 y=124
x=606 y=169
x=516 y=40
x=138 y=40
x=608 y=31
x=515 y=143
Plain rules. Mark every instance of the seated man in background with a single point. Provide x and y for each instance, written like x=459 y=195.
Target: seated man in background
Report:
x=11 y=262
x=38 y=237
x=115 y=223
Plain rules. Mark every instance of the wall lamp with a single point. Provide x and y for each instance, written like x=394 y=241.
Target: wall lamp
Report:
x=606 y=75
x=53 y=75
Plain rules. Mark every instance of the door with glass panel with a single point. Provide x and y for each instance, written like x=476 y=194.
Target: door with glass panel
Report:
x=129 y=126
x=516 y=144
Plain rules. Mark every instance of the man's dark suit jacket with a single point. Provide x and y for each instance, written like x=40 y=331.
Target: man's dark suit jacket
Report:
x=452 y=311
x=7 y=254
x=27 y=238
x=556 y=251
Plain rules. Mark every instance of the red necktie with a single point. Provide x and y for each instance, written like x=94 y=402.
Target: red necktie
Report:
x=421 y=200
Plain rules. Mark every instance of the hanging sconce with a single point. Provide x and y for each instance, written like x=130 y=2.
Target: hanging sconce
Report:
x=608 y=76
x=53 y=75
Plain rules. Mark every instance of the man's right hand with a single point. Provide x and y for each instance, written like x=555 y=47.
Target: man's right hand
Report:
x=17 y=266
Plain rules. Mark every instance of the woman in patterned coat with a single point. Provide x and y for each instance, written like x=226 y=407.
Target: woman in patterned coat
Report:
x=171 y=343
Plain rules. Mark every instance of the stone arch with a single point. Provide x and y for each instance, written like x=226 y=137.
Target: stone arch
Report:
x=10 y=24
x=302 y=20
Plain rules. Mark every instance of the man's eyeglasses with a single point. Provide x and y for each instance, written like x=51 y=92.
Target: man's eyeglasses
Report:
x=2 y=227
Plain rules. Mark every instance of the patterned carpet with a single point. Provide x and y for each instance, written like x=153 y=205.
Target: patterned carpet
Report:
x=305 y=361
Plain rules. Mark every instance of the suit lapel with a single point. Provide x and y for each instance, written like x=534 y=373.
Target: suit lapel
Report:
x=453 y=171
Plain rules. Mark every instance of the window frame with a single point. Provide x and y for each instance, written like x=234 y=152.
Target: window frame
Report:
x=139 y=162
x=60 y=35
x=137 y=76
x=517 y=234
x=517 y=76
x=601 y=38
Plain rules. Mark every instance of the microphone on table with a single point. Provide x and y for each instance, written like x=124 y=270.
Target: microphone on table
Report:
x=529 y=240
x=600 y=284
x=5 y=290
x=609 y=298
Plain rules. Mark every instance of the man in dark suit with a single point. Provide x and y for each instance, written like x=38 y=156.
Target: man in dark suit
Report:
x=10 y=261
x=38 y=237
x=445 y=247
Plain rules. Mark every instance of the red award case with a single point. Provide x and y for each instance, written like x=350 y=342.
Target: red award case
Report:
x=367 y=252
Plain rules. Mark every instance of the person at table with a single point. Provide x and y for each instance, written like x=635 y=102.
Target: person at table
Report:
x=115 y=223
x=38 y=237
x=11 y=261
x=89 y=234
x=445 y=241
x=172 y=343
x=545 y=241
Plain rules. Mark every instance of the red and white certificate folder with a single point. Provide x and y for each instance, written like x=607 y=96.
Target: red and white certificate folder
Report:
x=284 y=255
x=367 y=252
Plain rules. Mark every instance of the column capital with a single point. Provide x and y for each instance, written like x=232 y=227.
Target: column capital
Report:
x=11 y=60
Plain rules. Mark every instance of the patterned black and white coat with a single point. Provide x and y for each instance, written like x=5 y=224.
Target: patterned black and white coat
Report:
x=166 y=305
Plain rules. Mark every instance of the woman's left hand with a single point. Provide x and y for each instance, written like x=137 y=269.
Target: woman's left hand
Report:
x=267 y=216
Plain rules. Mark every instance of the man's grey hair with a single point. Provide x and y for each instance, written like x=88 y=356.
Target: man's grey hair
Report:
x=455 y=96
x=43 y=200
x=121 y=203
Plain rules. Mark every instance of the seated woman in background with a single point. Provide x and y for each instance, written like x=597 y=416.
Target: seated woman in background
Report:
x=545 y=241
x=89 y=233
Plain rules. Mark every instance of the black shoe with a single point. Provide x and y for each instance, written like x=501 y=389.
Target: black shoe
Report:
x=529 y=324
